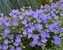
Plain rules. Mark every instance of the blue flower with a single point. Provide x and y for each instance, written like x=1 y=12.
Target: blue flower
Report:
x=15 y=23
x=17 y=36
x=61 y=7
x=44 y=40
x=32 y=44
x=35 y=15
x=21 y=17
x=7 y=23
x=6 y=41
x=12 y=48
x=4 y=46
x=18 y=39
x=61 y=0
x=11 y=36
x=43 y=34
x=30 y=35
x=7 y=30
x=24 y=21
x=0 y=23
x=14 y=12
x=57 y=40
x=4 y=34
x=29 y=13
x=16 y=43
x=39 y=43
x=38 y=26
x=35 y=36
x=18 y=48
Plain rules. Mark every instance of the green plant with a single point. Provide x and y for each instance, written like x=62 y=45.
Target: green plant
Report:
x=7 y=5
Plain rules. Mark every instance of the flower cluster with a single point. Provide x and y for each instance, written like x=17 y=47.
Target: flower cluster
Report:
x=42 y=25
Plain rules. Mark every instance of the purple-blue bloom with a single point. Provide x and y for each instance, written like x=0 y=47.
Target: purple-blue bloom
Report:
x=15 y=23
x=17 y=36
x=0 y=23
x=21 y=17
x=43 y=34
x=6 y=41
x=7 y=30
x=4 y=34
x=32 y=44
x=4 y=46
x=44 y=40
x=16 y=43
x=35 y=15
x=18 y=48
x=14 y=12
x=39 y=43
x=7 y=23
x=12 y=48
x=18 y=39
x=57 y=40
x=24 y=21
x=38 y=26
x=44 y=20
x=35 y=36
x=11 y=36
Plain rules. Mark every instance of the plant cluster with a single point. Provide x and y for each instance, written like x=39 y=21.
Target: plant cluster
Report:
x=42 y=27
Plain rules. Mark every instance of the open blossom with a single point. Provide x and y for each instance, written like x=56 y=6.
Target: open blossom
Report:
x=11 y=36
x=57 y=40
x=14 y=12
x=7 y=23
x=18 y=39
x=6 y=41
x=12 y=48
x=16 y=43
x=35 y=36
x=15 y=23
x=4 y=34
x=0 y=23
x=32 y=44
x=17 y=36
x=39 y=43
x=4 y=46
x=21 y=17
x=44 y=40
x=43 y=34
x=7 y=30
x=18 y=48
